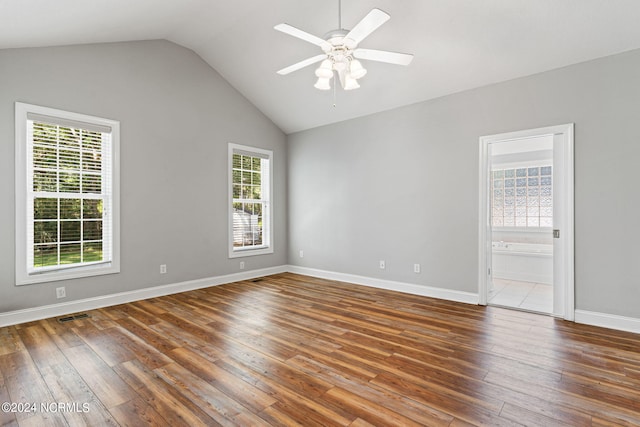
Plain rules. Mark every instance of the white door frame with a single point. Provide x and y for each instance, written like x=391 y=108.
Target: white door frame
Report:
x=564 y=245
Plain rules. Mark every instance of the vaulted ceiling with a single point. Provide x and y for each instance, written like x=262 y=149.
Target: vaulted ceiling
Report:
x=458 y=44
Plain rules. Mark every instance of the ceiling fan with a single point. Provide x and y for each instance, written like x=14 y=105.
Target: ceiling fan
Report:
x=341 y=51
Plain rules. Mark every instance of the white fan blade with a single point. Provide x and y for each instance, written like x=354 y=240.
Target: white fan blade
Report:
x=368 y=25
x=383 y=56
x=302 y=64
x=303 y=35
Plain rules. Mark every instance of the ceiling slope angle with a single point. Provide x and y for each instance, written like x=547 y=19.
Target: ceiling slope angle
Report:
x=458 y=44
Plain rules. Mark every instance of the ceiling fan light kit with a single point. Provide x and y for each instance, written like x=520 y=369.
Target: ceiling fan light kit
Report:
x=340 y=49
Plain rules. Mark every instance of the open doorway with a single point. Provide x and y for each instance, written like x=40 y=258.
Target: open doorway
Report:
x=526 y=220
x=521 y=217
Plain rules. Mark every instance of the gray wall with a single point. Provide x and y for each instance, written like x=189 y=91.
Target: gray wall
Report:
x=403 y=185
x=177 y=116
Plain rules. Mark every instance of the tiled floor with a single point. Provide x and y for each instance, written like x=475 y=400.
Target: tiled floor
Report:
x=524 y=295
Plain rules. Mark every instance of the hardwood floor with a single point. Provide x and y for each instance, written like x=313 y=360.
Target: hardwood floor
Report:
x=295 y=350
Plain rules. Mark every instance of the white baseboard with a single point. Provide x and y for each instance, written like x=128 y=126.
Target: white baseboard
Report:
x=408 y=288
x=604 y=320
x=53 y=310
x=611 y=321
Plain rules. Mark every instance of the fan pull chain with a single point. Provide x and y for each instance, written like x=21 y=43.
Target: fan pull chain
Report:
x=339 y=14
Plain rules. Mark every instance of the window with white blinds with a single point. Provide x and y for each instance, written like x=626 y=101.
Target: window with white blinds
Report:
x=66 y=182
x=250 y=222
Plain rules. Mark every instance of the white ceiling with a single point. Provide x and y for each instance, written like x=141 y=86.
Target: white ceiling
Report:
x=458 y=44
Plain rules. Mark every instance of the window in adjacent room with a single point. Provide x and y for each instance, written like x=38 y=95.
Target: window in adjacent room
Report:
x=522 y=197
x=250 y=219
x=67 y=204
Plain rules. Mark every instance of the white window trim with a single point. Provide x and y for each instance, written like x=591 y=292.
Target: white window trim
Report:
x=268 y=233
x=23 y=276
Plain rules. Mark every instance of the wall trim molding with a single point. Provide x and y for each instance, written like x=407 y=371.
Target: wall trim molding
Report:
x=37 y=313
x=407 y=288
x=611 y=321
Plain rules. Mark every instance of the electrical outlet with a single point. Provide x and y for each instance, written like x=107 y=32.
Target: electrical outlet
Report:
x=241 y=265
x=61 y=292
x=416 y=268
x=301 y=253
x=382 y=264
x=163 y=268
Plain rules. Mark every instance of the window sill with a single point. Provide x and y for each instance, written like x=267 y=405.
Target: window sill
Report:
x=261 y=250
x=536 y=230
x=71 y=273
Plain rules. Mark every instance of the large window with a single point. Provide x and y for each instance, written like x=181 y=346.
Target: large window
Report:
x=522 y=197
x=67 y=198
x=250 y=223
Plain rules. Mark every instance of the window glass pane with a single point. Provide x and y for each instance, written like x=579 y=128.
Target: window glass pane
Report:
x=45 y=157
x=545 y=170
x=91 y=140
x=237 y=161
x=70 y=231
x=92 y=252
x=70 y=208
x=45 y=208
x=246 y=162
x=45 y=181
x=521 y=182
x=69 y=182
x=70 y=253
x=45 y=255
x=44 y=134
x=45 y=232
x=256 y=164
x=91 y=208
x=497 y=183
x=69 y=137
x=498 y=174
x=237 y=191
x=91 y=183
x=521 y=172
x=91 y=161
x=545 y=180
x=533 y=181
x=509 y=182
x=510 y=173
x=70 y=160
x=534 y=171
x=92 y=230
x=546 y=211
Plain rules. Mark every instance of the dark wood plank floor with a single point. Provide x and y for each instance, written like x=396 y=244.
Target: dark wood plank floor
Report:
x=294 y=350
